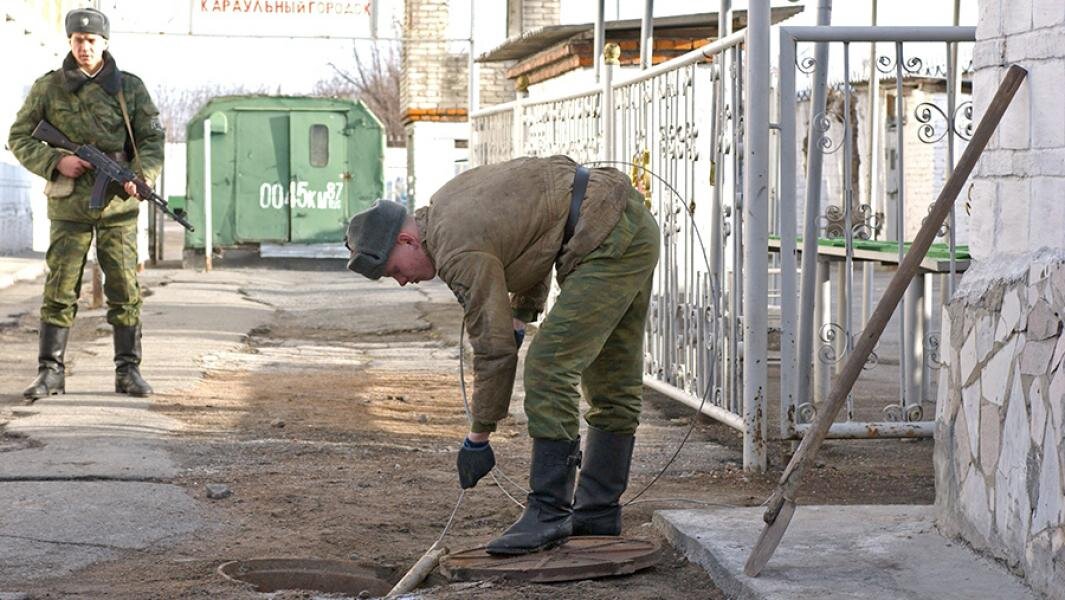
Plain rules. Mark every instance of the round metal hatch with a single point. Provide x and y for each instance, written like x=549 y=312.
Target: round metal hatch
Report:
x=334 y=576
x=584 y=557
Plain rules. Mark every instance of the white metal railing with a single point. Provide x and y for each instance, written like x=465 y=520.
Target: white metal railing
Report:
x=857 y=213
x=679 y=130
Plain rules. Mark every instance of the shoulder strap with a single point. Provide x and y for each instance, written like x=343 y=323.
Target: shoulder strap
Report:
x=129 y=129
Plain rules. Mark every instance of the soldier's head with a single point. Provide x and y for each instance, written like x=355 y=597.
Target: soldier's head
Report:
x=88 y=31
x=385 y=241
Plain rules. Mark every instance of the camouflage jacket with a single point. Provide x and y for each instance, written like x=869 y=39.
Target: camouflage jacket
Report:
x=87 y=111
x=494 y=233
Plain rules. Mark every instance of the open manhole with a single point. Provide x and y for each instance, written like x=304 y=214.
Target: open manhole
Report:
x=584 y=557
x=332 y=576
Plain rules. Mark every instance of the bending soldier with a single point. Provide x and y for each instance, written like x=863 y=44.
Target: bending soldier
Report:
x=90 y=101
x=493 y=234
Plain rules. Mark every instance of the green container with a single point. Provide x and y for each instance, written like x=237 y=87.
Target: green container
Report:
x=283 y=169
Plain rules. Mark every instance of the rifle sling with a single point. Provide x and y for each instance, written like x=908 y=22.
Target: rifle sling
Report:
x=129 y=129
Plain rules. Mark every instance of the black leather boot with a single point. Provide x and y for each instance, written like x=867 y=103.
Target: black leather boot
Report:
x=546 y=520
x=128 y=378
x=50 y=367
x=604 y=477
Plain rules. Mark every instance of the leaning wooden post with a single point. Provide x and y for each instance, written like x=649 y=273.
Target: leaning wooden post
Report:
x=781 y=504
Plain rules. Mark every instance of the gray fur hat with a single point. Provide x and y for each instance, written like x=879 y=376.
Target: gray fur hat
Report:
x=372 y=235
x=87 y=20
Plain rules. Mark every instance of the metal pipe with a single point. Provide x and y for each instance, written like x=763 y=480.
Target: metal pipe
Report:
x=208 y=229
x=879 y=34
x=600 y=38
x=708 y=408
x=813 y=207
x=788 y=255
x=871 y=188
x=474 y=71
x=905 y=343
x=756 y=237
x=854 y=431
x=647 y=34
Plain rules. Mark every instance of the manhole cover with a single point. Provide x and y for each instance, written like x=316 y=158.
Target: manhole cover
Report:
x=335 y=576
x=583 y=557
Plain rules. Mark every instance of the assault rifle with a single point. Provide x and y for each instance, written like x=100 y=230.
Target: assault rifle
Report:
x=107 y=170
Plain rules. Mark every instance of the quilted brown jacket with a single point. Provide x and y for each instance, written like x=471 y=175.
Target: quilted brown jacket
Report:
x=494 y=233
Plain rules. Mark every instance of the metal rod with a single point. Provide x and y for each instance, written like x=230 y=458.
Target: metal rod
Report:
x=880 y=34
x=708 y=408
x=846 y=282
x=208 y=233
x=647 y=34
x=855 y=431
x=788 y=226
x=905 y=343
x=813 y=207
x=599 y=33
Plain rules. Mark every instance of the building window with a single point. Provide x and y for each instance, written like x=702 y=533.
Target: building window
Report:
x=319 y=146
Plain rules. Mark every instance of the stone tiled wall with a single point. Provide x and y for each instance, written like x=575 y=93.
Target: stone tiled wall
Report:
x=1000 y=424
x=1000 y=419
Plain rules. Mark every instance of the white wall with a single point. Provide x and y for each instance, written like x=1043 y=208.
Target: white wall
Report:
x=1017 y=194
x=38 y=48
x=432 y=157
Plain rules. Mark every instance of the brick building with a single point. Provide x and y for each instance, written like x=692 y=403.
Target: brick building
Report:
x=434 y=91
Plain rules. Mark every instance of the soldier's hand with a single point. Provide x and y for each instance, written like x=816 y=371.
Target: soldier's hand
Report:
x=519 y=332
x=72 y=166
x=131 y=189
x=476 y=459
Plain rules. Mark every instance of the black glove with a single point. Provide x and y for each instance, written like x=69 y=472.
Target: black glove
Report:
x=476 y=459
x=519 y=337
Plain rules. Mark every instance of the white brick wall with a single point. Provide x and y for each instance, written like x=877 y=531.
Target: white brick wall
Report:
x=39 y=48
x=1030 y=141
x=1013 y=297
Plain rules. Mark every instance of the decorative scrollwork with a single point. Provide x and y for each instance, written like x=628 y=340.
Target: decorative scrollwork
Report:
x=944 y=229
x=931 y=350
x=828 y=334
x=893 y=413
x=866 y=224
x=822 y=124
x=886 y=64
x=833 y=222
x=806 y=64
x=924 y=113
x=962 y=121
x=914 y=412
x=806 y=412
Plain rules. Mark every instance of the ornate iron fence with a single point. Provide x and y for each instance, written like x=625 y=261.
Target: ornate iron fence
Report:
x=678 y=129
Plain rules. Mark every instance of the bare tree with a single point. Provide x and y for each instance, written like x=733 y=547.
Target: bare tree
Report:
x=375 y=81
x=177 y=106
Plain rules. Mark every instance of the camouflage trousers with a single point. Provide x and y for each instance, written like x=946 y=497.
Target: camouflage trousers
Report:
x=592 y=340
x=116 y=249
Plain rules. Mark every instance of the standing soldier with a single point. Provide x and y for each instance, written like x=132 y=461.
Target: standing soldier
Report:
x=92 y=102
x=493 y=234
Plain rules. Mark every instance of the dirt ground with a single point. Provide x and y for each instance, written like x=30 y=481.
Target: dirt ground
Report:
x=359 y=464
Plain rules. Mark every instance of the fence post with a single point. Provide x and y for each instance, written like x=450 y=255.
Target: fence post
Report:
x=611 y=54
x=208 y=233
x=756 y=239
x=517 y=126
